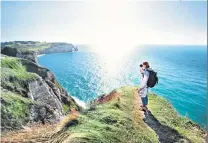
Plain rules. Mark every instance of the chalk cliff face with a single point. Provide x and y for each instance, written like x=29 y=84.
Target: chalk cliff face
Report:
x=58 y=48
x=31 y=94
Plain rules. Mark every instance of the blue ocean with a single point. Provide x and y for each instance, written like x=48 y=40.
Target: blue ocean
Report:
x=182 y=72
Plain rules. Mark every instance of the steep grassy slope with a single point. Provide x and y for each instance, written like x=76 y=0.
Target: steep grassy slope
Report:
x=14 y=110
x=15 y=68
x=14 y=76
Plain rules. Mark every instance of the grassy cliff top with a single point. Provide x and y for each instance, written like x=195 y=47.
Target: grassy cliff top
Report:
x=117 y=118
x=14 y=76
x=11 y=66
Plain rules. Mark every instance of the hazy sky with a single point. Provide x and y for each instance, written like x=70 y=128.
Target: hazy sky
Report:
x=93 y=22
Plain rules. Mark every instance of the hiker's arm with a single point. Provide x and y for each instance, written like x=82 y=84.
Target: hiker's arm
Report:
x=141 y=70
x=144 y=81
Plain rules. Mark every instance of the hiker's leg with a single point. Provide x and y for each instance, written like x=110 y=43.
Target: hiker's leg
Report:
x=143 y=101
x=146 y=100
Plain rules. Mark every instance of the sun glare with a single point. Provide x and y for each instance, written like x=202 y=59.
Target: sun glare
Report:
x=113 y=33
x=113 y=53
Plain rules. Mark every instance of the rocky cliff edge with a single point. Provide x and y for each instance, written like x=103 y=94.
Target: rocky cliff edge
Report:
x=31 y=94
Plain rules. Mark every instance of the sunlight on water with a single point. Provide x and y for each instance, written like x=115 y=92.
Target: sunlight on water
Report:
x=113 y=55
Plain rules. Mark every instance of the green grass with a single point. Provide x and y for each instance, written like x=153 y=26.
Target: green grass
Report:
x=165 y=113
x=111 y=122
x=16 y=105
x=12 y=63
x=13 y=67
x=114 y=121
x=14 y=76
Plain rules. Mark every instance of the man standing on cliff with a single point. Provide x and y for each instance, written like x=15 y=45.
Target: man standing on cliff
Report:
x=143 y=90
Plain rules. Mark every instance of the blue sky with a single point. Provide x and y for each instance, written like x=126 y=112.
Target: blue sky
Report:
x=91 y=22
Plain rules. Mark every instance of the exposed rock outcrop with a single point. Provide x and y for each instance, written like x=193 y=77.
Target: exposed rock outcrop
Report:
x=49 y=78
x=17 y=111
x=29 y=55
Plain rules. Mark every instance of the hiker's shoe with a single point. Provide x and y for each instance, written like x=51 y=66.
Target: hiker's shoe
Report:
x=142 y=109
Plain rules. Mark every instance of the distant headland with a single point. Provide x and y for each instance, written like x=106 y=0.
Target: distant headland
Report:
x=41 y=47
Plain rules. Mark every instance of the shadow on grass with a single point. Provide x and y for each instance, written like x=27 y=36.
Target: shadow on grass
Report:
x=165 y=133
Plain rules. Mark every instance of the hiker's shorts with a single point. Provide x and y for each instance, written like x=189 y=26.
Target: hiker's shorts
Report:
x=145 y=100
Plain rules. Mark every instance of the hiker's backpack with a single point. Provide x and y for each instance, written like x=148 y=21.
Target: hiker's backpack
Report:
x=153 y=79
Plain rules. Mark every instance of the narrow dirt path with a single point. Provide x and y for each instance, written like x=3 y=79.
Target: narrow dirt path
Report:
x=136 y=113
x=165 y=133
